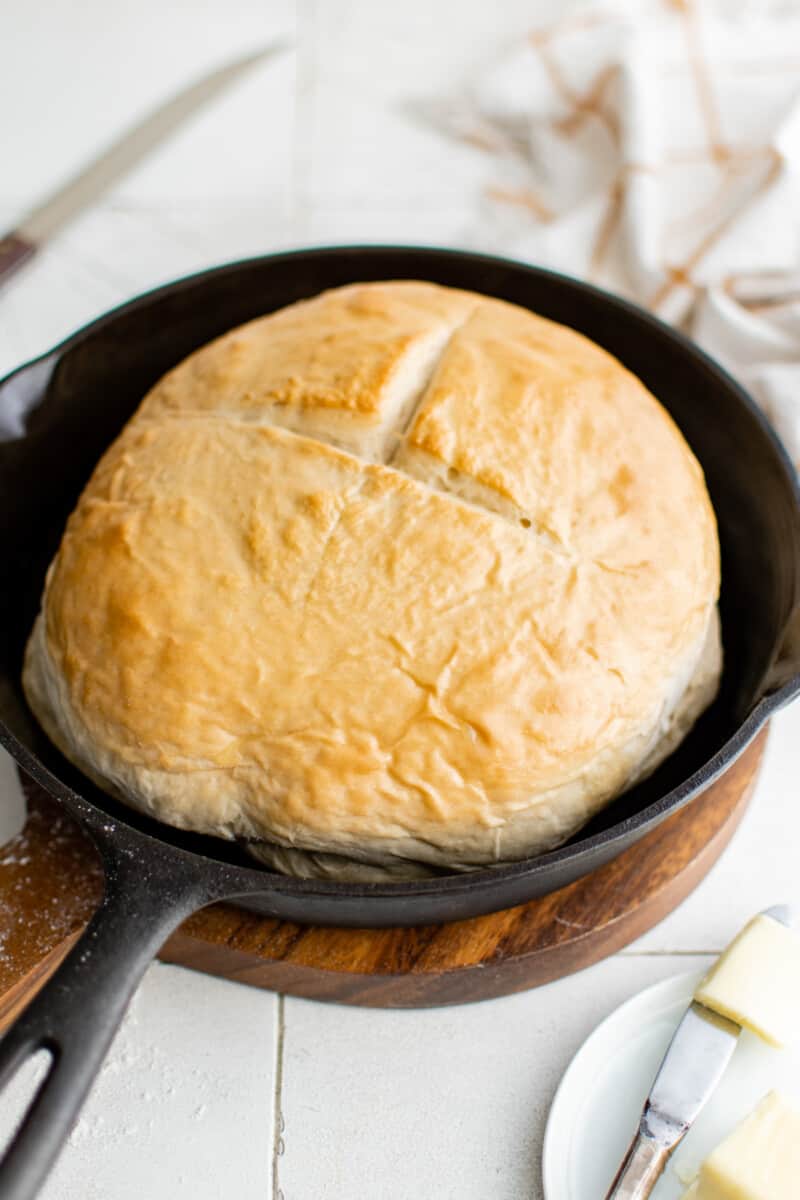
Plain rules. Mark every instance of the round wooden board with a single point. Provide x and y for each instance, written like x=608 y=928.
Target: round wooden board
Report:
x=50 y=882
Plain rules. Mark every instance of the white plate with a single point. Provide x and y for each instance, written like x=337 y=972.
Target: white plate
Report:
x=597 y=1106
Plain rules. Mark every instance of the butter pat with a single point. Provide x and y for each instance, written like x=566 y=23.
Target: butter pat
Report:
x=756 y=982
x=760 y=1160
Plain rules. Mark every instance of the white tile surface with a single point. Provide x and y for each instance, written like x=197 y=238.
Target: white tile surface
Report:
x=328 y=144
x=77 y=74
x=450 y=1102
x=183 y=1102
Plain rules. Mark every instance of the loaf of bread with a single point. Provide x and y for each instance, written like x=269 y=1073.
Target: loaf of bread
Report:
x=396 y=580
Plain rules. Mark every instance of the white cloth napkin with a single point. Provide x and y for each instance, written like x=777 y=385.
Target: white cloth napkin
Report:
x=654 y=148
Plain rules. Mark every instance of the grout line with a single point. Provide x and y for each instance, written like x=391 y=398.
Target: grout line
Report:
x=278 y=1124
x=304 y=106
x=100 y=272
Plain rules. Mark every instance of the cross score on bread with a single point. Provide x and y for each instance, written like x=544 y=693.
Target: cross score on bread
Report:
x=397 y=579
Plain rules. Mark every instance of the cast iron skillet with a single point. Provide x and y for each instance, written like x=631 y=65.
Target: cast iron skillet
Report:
x=58 y=414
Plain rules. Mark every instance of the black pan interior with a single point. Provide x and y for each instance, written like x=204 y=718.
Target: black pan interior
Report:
x=58 y=415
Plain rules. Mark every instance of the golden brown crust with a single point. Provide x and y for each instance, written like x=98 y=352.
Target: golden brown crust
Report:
x=253 y=633
x=338 y=366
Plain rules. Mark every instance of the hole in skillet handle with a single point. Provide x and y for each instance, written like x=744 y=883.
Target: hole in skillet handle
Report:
x=149 y=890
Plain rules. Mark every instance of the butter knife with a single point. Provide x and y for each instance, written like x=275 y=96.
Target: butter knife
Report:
x=696 y=1058
x=693 y=1066
x=19 y=245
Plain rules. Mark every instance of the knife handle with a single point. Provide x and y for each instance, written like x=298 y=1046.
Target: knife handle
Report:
x=14 y=251
x=640 y=1170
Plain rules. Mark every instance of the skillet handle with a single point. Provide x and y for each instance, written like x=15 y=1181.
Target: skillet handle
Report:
x=77 y=1012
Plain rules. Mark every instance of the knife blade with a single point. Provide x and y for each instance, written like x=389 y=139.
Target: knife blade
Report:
x=700 y=1050
x=20 y=244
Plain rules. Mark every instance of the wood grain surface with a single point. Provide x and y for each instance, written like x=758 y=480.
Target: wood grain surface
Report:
x=50 y=882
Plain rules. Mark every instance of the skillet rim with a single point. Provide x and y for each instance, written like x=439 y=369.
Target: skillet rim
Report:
x=487 y=879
